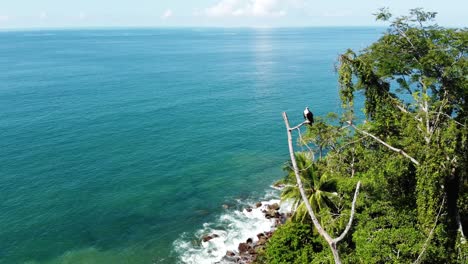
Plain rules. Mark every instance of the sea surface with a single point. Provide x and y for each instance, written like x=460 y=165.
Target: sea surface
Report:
x=122 y=146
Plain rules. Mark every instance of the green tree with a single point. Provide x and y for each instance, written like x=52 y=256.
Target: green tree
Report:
x=410 y=153
x=323 y=135
x=415 y=84
x=294 y=243
x=320 y=189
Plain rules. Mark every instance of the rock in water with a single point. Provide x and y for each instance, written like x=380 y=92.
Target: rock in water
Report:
x=206 y=238
x=274 y=206
x=243 y=247
x=209 y=237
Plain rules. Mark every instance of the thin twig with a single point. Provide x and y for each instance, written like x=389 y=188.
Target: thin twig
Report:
x=419 y=259
x=460 y=229
x=352 y=142
x=307 y=146
x=451 y=118
x=298 y=126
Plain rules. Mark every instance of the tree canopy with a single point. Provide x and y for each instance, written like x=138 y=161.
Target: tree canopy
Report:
x=410 y=151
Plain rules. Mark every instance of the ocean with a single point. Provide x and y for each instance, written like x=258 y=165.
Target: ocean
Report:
x=127 y=145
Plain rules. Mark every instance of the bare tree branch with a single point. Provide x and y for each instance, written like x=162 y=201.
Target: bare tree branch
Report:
x=460 y=229
x=442 y=105
x=352 y=142
x=305 y=199
x=426 y=243
x=451 y=118
x=348 y=226
x=384 y=143
x=298 y=126
x=305 y=143
x=331 y=242
x=403 y=109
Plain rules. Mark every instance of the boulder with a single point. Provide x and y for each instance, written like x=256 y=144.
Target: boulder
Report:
x=249 y=209
x=271 y=214
x=206 y=238
x=258 y=204
x=230 y=253
x=209 y=237
x=279 y=185
x=243 y=247
x=262 y=241
x=278 y=221
x=274 y=206
x=249 y=241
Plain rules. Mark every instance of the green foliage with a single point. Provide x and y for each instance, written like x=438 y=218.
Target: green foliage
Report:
x=429 y=63
x=293 y=243
x=415 y=86
x=384 y=235
x=323 y=136
x=319 y=188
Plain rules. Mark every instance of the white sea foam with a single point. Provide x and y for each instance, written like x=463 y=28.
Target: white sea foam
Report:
x=232 y=228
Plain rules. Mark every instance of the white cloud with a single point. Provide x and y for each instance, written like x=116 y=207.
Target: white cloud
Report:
x=245 y=8
x=167 y=14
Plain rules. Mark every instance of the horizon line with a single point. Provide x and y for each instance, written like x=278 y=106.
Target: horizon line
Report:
x=58 y=28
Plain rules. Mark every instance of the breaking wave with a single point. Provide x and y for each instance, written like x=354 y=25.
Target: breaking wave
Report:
x=231 y=227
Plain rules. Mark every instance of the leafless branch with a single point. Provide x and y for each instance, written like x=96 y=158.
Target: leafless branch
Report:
x=307 y=146
x=426 y=243
x=298 y=126
x=331 y=242
x=442 y=105
x=348 y=226
x=384 y=143
x=451 y=118
x=299 y=181
x=403 y=109
x=352 y=142
x=460 y=229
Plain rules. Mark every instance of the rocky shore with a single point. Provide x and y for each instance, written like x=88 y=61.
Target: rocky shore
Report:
x=247 y=251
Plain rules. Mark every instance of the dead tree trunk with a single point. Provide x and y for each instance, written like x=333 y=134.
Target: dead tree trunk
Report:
x=331 y=242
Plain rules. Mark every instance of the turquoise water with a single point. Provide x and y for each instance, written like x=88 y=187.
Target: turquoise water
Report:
x=116 y=143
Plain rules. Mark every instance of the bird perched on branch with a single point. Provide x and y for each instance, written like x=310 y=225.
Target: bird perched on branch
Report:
x=308 y=116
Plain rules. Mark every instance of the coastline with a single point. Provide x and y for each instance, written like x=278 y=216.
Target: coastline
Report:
x=237 y=234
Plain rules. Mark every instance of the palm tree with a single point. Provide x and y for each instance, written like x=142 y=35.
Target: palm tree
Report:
x=319 y=188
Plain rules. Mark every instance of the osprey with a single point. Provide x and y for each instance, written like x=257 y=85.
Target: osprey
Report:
x=308 y=116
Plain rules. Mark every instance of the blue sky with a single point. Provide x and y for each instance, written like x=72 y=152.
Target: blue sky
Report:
x=214 y=13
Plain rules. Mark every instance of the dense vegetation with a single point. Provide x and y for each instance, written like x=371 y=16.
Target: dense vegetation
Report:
x=410 y=154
